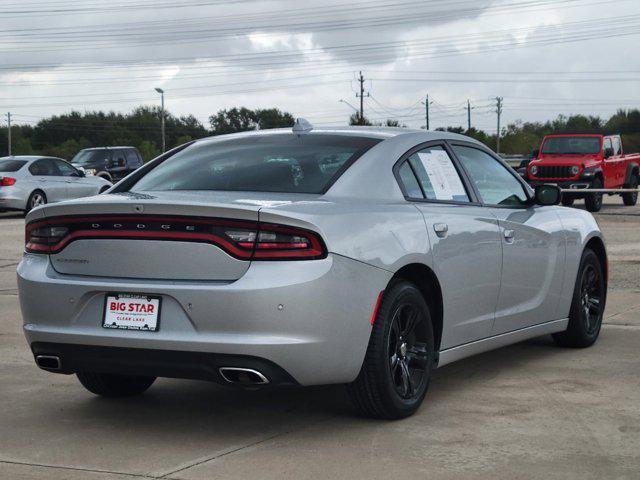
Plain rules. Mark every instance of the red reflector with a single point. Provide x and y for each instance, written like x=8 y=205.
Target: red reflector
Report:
x=7 y=181
x=375 y=309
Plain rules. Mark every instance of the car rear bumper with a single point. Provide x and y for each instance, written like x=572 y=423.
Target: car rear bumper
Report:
x=74 y=358
x=10 y=199
x=310 y=319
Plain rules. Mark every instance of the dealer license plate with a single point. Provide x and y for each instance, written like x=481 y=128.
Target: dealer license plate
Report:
x=126 y=311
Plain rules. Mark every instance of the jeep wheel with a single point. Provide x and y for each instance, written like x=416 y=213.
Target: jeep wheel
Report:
x=593 y=201
x=630 y=199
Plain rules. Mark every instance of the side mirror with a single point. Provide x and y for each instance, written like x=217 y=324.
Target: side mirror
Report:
x=608 y=152
x=535 y=153
x=81 y=173
x=548 y=194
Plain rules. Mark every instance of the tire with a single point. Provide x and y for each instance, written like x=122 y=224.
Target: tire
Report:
x=396 y=371
x=593 y=201
x=567 y=201
x=630 y=199
x=585 y=316
x=36 y=199
x=113 y=386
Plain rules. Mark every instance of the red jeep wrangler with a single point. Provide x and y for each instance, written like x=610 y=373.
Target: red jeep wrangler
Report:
x=585 y=161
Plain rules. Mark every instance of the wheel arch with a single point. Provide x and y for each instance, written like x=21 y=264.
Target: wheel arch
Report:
x=427 y=282
x=38 y=189
x=597 y=245
x=632 y=169
x=106 y=175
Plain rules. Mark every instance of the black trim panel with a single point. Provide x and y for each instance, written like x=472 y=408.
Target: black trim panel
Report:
x=157 y=363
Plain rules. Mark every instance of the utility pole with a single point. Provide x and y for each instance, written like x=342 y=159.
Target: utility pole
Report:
x=361 y=95
x=499 y=112
x=161 y=92
x=469 y=108
x=426 y=112
x=9 y=131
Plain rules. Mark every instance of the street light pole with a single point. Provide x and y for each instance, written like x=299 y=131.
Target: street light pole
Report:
x=161 y=92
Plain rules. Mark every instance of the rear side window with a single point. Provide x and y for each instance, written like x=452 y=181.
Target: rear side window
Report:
x=133 y=160
x=11 y=165
x=271 y=163
x=430 y=173
x=45 y=168
x=617 y=146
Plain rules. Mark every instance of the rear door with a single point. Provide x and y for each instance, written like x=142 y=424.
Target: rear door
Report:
x=47 y=178
x=465 y=241
x=133 y=160
x=532 y=238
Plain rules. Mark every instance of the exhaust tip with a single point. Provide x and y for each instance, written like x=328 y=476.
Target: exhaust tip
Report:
x=243 y=376
x=49 y=362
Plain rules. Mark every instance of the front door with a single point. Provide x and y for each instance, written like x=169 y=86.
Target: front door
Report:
x=533 y=243
x=76 y=186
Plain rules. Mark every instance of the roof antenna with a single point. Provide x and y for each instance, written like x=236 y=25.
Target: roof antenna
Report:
x=301 y=126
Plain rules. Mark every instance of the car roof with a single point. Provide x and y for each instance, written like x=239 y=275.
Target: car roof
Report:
x=105 y=148
x=381 y=133
x=30 y=158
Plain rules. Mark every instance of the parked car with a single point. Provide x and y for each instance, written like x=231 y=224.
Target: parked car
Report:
x=275 y=268
x=111 y=163
x=582 y=162
x=27 y=182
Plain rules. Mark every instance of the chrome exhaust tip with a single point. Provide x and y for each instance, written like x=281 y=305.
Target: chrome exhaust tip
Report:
x=49 y=362
x=243 y=376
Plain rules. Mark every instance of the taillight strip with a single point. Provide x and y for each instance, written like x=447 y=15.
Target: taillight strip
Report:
x=244 y=250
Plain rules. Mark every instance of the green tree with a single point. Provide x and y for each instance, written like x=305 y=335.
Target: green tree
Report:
x=148 y=150
x=233 y=120
x=356 y=120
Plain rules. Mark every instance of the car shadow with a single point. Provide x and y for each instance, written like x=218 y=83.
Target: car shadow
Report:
x=191 y=403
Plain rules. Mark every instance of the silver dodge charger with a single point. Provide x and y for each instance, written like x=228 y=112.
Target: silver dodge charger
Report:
x=28 y=181
x=361 y=256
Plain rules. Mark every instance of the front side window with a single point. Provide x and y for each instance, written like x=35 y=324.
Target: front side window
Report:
x=495 y=184
x=65 y=169
x=437 y=177
x=271 y=163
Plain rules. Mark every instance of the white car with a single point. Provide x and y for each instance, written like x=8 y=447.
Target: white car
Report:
x=27 y=182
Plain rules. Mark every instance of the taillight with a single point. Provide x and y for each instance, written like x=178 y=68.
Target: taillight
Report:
x=242 y=239
x=7 y=181
x=41 y=239
x=279 y=242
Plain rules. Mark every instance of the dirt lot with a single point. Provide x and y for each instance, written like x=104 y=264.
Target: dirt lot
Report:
x=531 y=410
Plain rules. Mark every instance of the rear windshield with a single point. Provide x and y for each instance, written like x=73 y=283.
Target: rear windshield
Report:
x=11 y=165
x=272 y=163
x=571 y=145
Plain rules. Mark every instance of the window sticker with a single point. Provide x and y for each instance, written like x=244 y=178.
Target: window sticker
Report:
x=443 y=176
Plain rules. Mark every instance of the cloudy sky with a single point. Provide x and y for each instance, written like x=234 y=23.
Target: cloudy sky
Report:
x=544 y=57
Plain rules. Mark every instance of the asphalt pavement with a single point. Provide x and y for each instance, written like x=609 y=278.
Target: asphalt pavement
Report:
x=531 y=410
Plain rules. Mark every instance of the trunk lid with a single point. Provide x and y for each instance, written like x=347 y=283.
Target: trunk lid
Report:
x=169 y=214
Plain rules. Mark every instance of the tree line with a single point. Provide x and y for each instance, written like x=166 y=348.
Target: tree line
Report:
x=64 y=135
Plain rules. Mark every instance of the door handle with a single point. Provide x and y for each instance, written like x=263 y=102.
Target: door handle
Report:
x=508 y=235
x=441 y=229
